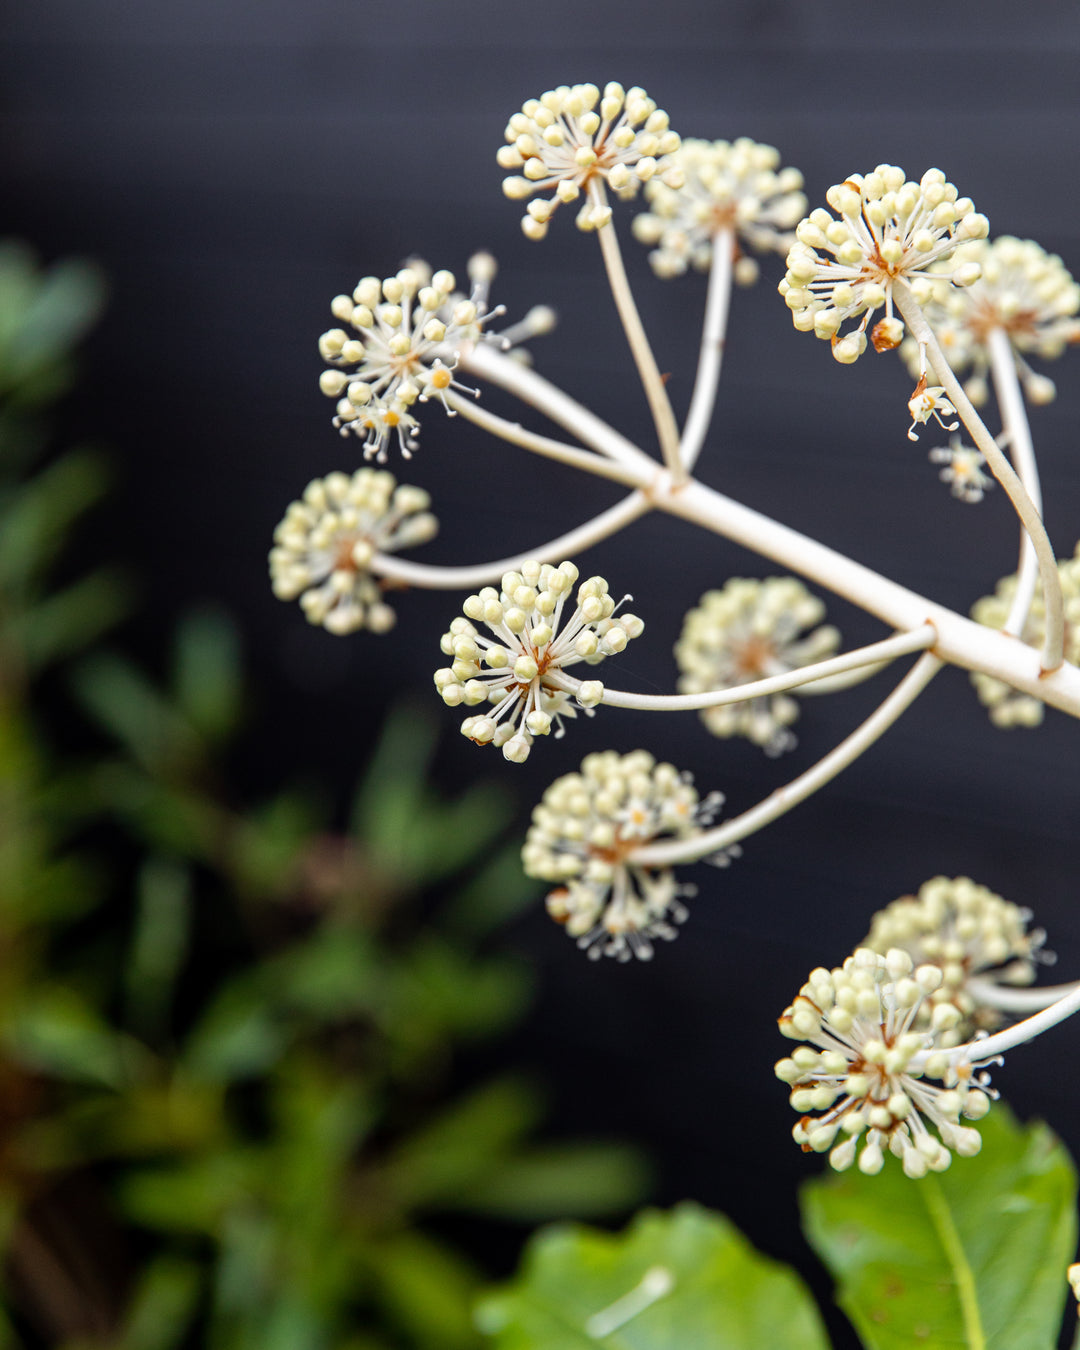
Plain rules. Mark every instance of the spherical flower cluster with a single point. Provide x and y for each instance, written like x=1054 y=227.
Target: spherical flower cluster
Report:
x=1022 y=290
x=963 y=469
x=574 y=139
x=733 y=184
x=964 y=929
x=519 y=669
x=1008 y=707
x=404 y=335
x=584 y=836
x=323 y=548
x=863 y=1018
x=888 y=228
x=748 y=631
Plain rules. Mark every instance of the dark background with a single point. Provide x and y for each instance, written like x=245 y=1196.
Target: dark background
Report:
x=234 y=165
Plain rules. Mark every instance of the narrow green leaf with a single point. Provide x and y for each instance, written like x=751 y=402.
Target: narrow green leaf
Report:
x=558 y=1181
x=426 y=1288
x=159 y=942
x=38 y=518
x=207 y=675
x=163 y=1305
x=437 y=1164
x=70 y=620
x=686 y=1280
x=975 y=1259
x=125 y=703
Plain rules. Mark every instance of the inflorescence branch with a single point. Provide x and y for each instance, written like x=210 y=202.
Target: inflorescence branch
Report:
x=938 y=972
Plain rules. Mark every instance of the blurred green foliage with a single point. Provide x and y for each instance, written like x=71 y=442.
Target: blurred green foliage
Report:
x=235 y=1098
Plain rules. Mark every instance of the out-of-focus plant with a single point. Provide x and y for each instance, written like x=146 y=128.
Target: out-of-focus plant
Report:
x=234 y=1080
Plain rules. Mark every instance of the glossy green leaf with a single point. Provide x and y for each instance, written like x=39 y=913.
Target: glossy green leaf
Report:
x=974 y=1257
x=686 y=1280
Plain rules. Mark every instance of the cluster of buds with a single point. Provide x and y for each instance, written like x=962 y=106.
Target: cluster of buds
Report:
x=866 y=1019
x=324 y=547
x=406 y=333
x=748 y=631
x=574 y=138
x=1023 y=291
x=1008 y=707
x=886 y=228
x=584 y=836
x=519 y=668
x=965 y=930
x=734 y=185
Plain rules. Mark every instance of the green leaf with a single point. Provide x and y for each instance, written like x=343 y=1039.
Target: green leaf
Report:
x=207 y=675
x=426 y=1288
x=687 y=1280
x=70 y=620
x=55 y=1031
x=973 y=1257
x=125 y=703
x=163 y=1305
x=37 y=519
x=436 y=1164
x=159 y=941
x=558 y=1181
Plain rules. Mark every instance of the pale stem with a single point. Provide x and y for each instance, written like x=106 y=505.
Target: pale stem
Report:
x=505 y=372
x=989 y=1047
x=1001 y=469
x=713 y=337
x=516 y=434
x=652 y=382
x=1007 y=998
x=1022 y=452
x=780 y=802
x=878 y=652
x=430 y=577
x=960 y=641
x=836 y=684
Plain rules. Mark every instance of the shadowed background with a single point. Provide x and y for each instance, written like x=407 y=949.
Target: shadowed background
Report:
x=233 y=166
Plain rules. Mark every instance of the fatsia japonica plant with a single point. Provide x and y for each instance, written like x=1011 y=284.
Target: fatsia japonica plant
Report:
x=891 y=1045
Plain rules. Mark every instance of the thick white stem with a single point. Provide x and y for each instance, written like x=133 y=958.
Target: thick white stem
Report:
x=659 y=404
x=574 y=541
x=516 y=434
x=960 y=641
x=1010 y=999
x=878 y=652
x=978 y=1051
x=713 y=338
x=1000 y=467
x=781 y=801
x=503 y=371
x=1022 y=452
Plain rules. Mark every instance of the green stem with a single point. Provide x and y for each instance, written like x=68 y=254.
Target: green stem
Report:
x=941 y=1217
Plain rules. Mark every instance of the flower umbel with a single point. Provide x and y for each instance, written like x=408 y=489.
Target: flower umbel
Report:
x=1008 y=707
x=888 y=228
x=727 y=183
x=518 y=669
x=1023 y=290
x=748 y=631
x=862 y=1017
x=574 y=139
x=584 y=835
x=324 y=546
x=964 y=929
x=406 y=333
x=963 y=469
